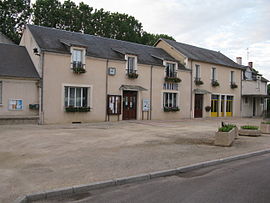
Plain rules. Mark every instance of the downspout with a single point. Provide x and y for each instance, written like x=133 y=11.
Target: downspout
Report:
x=151 y=92
x=106 y=89
x=191 y=90
x=241 y=91
x=41 y=89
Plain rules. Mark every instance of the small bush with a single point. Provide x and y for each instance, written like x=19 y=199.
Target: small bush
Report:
x=249 y=127
x=227 y=128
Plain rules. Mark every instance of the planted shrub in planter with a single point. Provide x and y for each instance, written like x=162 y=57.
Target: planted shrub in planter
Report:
x=265 y=127
x=215 y=83
x=132 y=75
x=77 y=109
x=78 y=67
x=249 y=130
x=208 y=108
x=171 y=109
x=173 y=79
x=233 y=85
x=226 y=135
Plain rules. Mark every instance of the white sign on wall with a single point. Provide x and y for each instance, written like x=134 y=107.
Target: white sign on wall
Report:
x=15 y=104
x=146 y=105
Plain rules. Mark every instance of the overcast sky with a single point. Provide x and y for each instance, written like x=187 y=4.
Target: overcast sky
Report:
x=229 y=26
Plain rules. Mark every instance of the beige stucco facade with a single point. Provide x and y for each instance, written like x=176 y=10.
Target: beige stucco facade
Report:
x=18 y=89
x=222 y=76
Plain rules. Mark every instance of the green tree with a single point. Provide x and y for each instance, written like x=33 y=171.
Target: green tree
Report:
x=46 y=13
x=14 y=15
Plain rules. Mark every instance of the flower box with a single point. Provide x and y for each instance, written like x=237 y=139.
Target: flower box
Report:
x=233 y=85
x=265 y=127
x=215 y=83
x=77 y=109
x=198 y=81
x=171 y=109
x=173 y=79
x=79 y=70
x=133 y=75
x=252 y=131
x=78 y=67
x=225 y=139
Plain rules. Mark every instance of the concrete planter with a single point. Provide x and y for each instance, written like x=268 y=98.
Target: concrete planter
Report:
x=251 y=133
x=225 y=139
x=265 y=128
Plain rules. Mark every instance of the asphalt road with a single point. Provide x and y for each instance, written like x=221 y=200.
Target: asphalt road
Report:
x=241 y=181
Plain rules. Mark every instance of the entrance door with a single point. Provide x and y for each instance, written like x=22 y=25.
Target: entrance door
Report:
x=129 y=105
x=198 y=113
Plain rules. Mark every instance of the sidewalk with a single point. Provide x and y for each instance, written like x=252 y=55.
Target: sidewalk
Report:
x=37 y=158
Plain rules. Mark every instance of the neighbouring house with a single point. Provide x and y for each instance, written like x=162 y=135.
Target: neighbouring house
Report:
x=19 y=80
x=88 y=78
x=214 y=83
x=254 y=91
x=4 y=39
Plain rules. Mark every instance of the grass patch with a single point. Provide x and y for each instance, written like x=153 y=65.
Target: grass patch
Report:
x=249 y=127
x=227 y=128
x=267 y=122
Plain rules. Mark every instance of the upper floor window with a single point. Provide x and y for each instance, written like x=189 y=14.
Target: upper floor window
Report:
x=131 y=64
x=214 y=74
x=171 y=70
x=232 y=77
x=197 y=72
x=0 y=92
x=77 y=58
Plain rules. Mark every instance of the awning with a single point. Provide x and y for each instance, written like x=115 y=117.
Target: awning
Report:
x=256 y=95
x=132 y=87
x=201 y=91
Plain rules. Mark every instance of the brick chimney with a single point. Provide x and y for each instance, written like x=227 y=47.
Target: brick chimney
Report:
x=239 y=60
x=250 y=64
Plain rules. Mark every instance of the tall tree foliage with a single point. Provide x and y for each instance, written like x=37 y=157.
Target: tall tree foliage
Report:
x=72 y=17
x=14 y=14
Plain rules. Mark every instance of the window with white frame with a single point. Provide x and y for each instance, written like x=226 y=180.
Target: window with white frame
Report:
x=170 y=99
x=77 y=58
x=76 y=96
x=131 y=64
x=171 y=70
x=197 y=72
x=1 y=92
x=214 y=74
x=232 y=77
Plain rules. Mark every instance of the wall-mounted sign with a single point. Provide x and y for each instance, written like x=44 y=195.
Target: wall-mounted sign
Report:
x=15 y=104
x=146 y=105
x=111 y=71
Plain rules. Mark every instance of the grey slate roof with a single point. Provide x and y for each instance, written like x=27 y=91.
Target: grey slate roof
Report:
x=4 y=39
x=55 y=40
x=15 y=62
x=201 y=54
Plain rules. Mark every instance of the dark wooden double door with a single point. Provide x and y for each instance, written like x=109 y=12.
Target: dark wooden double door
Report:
x=198 y=109
x=129 y=105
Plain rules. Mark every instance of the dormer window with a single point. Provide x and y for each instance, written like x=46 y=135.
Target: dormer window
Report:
x=171 y=73
x=171 y=70
x=78 y=60
x=131 y=66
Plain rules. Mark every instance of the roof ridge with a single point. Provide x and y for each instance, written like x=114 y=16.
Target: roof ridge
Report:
x=192 y=45
x=80 y=33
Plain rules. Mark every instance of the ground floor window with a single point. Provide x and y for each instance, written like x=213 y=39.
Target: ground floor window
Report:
x=214 y=105
x=229 y=106
x=170 y=100
x=76 y=96
x=114 y=105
